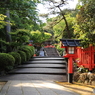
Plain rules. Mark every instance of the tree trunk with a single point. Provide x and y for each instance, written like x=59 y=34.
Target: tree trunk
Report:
x=67 y=27
x=8 y=29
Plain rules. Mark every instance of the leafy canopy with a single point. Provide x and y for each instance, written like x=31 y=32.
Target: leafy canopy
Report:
x=39 y=37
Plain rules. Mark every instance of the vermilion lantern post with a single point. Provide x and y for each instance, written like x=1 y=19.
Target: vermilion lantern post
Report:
x=70 y=48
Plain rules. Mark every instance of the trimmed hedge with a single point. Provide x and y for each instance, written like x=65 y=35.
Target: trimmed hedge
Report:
x=23 y=56
x=29 y=50
x=27 y=53
x=6 y=62
x=17 y=57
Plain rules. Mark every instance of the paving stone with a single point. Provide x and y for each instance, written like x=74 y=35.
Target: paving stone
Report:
x=29 y=89
x=14 y=88
x=34 y=88
x=5 y=88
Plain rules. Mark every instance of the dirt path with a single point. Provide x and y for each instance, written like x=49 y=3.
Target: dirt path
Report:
x=82 y=89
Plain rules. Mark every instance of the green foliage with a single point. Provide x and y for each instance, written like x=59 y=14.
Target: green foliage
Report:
x=22 y=55
x=6 y=61
x=17 y=57
x=23 y=15
x=85 y=27
x=3 y=45
x=19 y=37
x=30 y=48
x=39 y=37
x=2 y=22
x=57 y=26
x=48 y=27
x=60 y=28
x=27 y=51
x=60 y=50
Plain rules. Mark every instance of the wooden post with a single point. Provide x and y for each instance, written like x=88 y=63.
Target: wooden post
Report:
x=91 y=57
x=79 y=54
x=70 y=70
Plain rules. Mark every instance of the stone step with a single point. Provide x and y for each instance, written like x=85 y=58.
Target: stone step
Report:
x=42 y=66
x=46 y=73
x=51 y=52
x=47 y=58
x=58 y=57
x=46 y=62
x=50 y=71
x=32 y=77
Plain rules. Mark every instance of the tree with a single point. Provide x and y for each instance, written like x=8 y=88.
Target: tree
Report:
x=19 y=37
x=23 y=15
x=56 y=8
x=58 y=27
x=2 y=22
x=39 y=37
x=85 y=27
x=2 y=33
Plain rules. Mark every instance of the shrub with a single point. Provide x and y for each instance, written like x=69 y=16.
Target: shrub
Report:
x=60 y=50
x=29 y=50
x=33 y=50
x=28 y=55
x=6 y=62
x=23 y=56
x=17 y=57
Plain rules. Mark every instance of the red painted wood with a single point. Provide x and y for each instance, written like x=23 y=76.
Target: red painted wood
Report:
x=70 y=65
x=86 y=57
x=83 y=57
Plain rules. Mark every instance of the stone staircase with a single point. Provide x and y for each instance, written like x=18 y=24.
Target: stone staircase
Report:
x=40 y=68
x=50 y=67
x=51 y=52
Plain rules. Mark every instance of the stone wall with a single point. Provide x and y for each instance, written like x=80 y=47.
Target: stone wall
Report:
x=87 y=78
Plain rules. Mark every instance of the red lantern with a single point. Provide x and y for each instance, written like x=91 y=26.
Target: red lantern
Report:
x=70 y=48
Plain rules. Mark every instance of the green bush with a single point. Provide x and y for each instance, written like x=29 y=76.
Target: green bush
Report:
x=6 y=62
x=23 y=56
x=28 y=55
x=29 y=50
x=60 y=50
x=17 y=57
x=33 y=50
